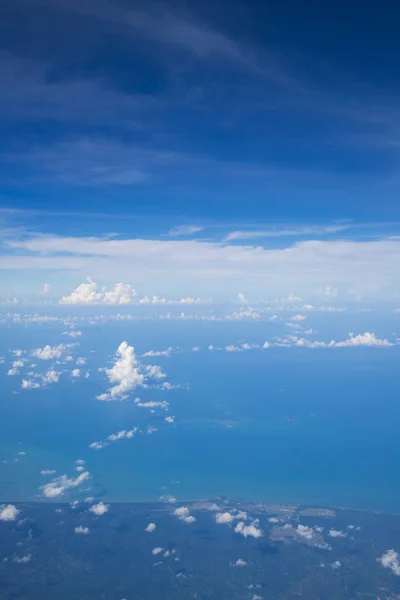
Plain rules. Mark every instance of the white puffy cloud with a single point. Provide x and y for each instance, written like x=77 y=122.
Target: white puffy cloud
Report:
x=240 y=563
x=23 y=559
x=51 y=376
x=251 y=530
x=29 y=384
x=47 y=471
x=82 y=530
x=390 y=560
x=124 y=374
x=150 y=527
x=51 y=352
x=298 y=318
x=8 y=512
x=58 y=486
x=80 y=360
x=184 y=515
x=157 y=550
x=75 y=373
x=169 y=419
x=366 y=339
x=225 y=517
x=305 y=532
x=127 y=374
x=73 y=333
x=336 y=564
x=99 y=509
x=97 y=445
x=123 y=434
x=90 y=293
x=12 y=372
x=334 y=533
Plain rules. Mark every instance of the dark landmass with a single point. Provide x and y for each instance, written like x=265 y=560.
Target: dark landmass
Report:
x=43 y=557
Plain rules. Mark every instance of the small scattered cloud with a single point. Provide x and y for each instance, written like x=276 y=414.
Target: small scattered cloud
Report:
x=59 y=485
x=8 y=512
x=51 y=352
x=334 y=533
x=100 y=509
x=150 y=527
x=184 y=515
x=22 y=559
x=157 y=550
x=251 y=530
x=240 y=563
x=75 y=373
x=390 y=560
x=82 y=530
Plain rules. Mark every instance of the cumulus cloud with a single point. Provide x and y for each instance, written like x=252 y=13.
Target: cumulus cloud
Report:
x=366 y=339
x=150 y=527
x=251 y=530
x=184 y=515
x=390 y=560
x=23 y=559
x=51 y=376
x=157 y=550
x=97 y=445
x=82 y=530
x=73 y=333
x=124 y=374
x=123 y=434
x=75 y=373
x=334 y=533
x=29 y=384
x=127 y=374
x=59 y=485
x=8 y=512
x=240 y=563
x=225 y=517
x=51 y=352
x=99 y=509
x=91 y=293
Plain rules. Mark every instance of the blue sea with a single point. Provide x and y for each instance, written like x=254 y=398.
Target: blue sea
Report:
x=285 y=425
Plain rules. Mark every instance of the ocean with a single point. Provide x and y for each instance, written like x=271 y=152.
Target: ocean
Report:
x=283 y=425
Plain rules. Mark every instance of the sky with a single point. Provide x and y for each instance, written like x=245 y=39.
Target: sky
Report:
x=199 y=151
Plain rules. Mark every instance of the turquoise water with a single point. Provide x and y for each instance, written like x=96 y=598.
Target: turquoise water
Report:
x=286 y=425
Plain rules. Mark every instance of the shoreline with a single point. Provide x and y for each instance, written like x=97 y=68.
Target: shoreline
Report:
x=203 y=505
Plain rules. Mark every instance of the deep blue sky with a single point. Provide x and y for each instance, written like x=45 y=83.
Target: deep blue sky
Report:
x=213 y=110
x=124 y=120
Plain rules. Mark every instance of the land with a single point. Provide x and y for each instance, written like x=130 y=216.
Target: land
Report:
x=42 y=557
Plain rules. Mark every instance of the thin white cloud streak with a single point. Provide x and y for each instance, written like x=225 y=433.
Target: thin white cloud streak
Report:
x=274 y=233
x=367 y=269
x=185 y=230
